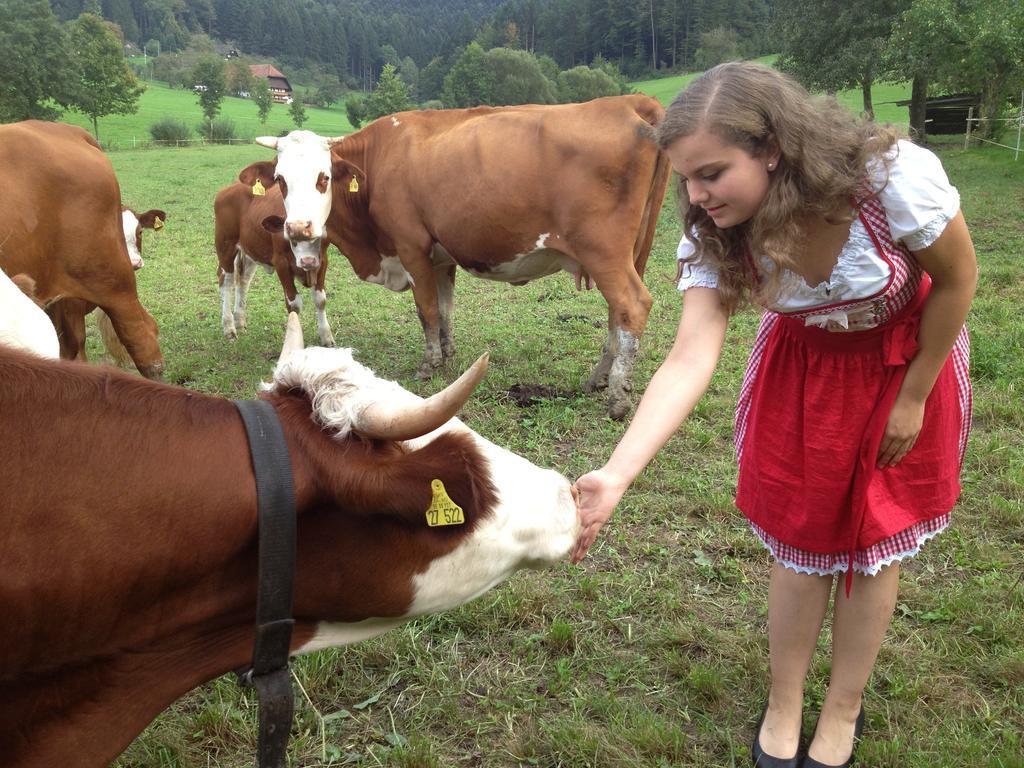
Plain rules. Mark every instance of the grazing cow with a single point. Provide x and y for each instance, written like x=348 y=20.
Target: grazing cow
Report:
x=507 y=193
x=243 y=243
x=68 y=315
x=60 y=223
x=23 y=324
x=117 y=600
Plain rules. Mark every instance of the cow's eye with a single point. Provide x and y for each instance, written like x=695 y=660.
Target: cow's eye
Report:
x=284 y=186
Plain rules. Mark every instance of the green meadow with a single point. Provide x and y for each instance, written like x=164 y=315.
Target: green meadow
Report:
x=160 y=102
x=653 y=651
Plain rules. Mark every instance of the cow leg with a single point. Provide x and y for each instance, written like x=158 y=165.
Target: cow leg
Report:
x=629 y=304
x=445 y=277
x=292 y=299
x=417 y=263
x=245 y=268
x=68 y=318
x=599 y=377
x=226 y=280
x=138 y=331
x=320 y=301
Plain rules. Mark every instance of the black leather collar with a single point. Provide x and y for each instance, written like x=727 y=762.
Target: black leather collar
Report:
x=275 y=497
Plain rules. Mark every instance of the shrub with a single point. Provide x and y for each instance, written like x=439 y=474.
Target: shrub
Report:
x=355 y=109
x=221 y=131
x=583 y=84
x=170 y=130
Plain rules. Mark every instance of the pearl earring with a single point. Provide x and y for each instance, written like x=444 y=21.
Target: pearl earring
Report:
x=771 y=166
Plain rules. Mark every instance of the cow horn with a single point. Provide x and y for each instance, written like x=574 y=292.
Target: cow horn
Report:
x=292 y=338
x=267 y=141
x=407 y=422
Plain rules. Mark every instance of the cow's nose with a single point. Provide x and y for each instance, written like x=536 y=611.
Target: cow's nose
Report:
x=137 y=264
x=309 y=262
x=300 y=230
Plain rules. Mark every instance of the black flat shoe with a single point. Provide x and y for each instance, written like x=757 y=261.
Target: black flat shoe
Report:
x=810 y=762
x=762 y=759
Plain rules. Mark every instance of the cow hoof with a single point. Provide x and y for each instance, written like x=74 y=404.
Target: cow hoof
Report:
x=328 y=342
x=595 y=383
x=426 y=370
x=154 y=371
x=230 y=334
x=618 y=408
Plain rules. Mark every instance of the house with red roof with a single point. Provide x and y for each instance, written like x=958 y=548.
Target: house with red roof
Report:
x=278 y=83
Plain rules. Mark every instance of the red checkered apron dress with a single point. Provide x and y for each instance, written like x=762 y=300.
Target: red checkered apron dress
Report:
x=811 y=416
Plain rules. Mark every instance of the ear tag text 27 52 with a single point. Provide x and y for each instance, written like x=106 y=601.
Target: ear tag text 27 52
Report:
x=442 y=510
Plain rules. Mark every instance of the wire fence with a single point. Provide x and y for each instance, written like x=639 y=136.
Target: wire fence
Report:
x=137 y=143
x=1018 y=120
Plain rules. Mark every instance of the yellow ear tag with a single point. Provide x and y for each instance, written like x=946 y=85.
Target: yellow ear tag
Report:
x=258 y=189
x=158 y=223
x=442 y=510
x=353 y=186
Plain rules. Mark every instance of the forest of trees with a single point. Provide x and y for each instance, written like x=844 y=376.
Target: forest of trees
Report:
x=450 y=53
x=354 y=39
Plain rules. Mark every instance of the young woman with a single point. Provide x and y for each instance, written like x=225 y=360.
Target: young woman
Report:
x=854 y=411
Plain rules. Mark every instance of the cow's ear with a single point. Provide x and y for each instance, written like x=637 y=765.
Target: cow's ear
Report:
x=262 y=171
x=152 y=219
x=273 y=224
x=346 y=172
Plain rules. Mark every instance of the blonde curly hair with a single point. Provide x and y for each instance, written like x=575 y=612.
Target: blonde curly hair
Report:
x=824 y=154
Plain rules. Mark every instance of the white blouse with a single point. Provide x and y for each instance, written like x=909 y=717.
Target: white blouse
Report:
x=918 y=201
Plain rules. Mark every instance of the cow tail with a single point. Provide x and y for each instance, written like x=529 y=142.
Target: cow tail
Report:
x=652 y=208
x=111 y=342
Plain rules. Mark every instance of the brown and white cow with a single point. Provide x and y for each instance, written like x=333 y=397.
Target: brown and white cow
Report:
x=118 y=598
x=61 y=224
x=243 y=243
x=68 y=315
x=507 y=193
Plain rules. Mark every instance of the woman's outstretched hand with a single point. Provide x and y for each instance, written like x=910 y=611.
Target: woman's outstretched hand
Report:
x=599 y=492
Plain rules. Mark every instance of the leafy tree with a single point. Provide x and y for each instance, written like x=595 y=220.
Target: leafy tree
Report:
x=548 y=67
x=263 y=98
x=834 y=44
x=297 y=112
x=960 y=46
x=105 y=83
x=239 y=78
x=431 y=79
x=920 y=48
x=209 y=75
x=518 y=78
x=328 y=92
x=719 y=45
x=391 y=95
x=36 y=75
x=470 y=80
x=583 y=84
x=994 y=61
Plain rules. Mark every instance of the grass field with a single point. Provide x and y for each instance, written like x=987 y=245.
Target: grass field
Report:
x=653 y=651
x=159 y=101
